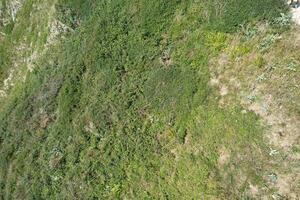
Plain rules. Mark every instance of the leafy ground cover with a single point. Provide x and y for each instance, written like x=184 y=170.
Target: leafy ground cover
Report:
x=122 y=108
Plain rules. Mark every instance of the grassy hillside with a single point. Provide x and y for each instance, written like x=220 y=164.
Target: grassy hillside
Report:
x=121 y=106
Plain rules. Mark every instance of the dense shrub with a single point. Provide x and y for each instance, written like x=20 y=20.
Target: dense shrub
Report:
x=228 y=15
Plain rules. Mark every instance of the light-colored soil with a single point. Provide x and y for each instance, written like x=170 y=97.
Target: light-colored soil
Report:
x=296 y=15
x=224 y=157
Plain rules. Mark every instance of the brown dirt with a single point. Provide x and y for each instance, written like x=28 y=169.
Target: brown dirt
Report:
x=224 y=157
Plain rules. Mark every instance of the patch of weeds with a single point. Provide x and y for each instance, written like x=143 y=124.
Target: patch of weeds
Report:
x=215 y=41
x=291 y=66
x=8 y=28
x=115 y=190
x=67 y=16
x=228 y=15
x=240 y=50
x=277 y=196
x=272 y=177
x=282 y=22
x=271 y=67
x=267 y=42
x=273 y=152
x=55 y=158
x=295 y=149
x=261 y=78
x=249 y=31
x=251 y=98
x=259 y=61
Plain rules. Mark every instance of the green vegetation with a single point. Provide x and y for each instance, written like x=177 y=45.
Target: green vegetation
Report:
x=122 y=108
x=21 y=38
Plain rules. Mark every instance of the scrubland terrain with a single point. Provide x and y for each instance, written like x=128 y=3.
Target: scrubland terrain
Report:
x=149 y=100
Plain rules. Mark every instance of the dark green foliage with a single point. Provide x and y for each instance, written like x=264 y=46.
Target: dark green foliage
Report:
x=104 y=110
x=228 y=15
x=71 y=13
x=8 y=28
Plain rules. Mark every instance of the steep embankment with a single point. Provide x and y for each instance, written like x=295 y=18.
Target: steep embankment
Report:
x=120 y=106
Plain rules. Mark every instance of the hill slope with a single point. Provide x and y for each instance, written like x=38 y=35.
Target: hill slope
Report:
x=120 y=105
